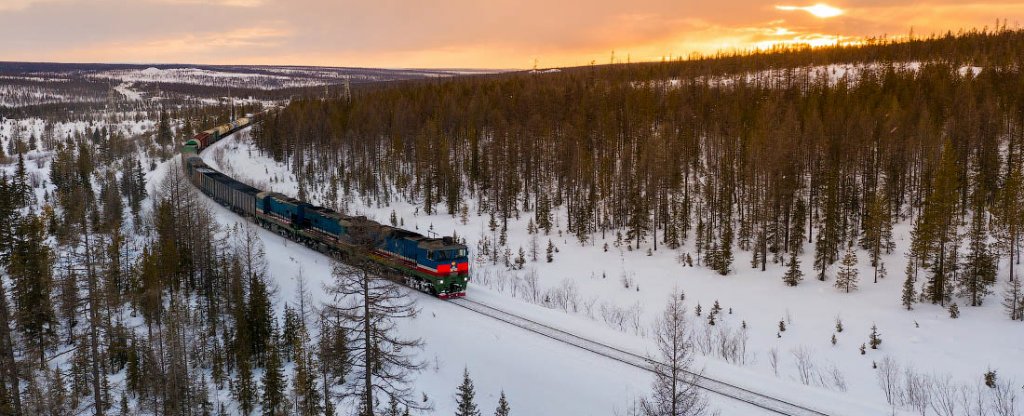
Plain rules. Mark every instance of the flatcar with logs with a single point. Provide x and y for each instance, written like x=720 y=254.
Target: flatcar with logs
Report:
x=439 y=266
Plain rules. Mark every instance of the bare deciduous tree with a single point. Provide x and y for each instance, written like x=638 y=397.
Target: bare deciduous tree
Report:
x=369 y=306
x=888 y=375
x=675 y=386
x=804 y=364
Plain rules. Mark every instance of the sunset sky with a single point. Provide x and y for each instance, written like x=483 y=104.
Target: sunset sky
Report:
x=454 y=33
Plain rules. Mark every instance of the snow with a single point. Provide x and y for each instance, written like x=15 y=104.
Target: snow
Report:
x=539 y=375
x=924 y=338
x=125 y=89
x=832 y=74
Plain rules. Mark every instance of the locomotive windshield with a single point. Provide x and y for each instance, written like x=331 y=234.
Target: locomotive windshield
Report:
x=443 y=255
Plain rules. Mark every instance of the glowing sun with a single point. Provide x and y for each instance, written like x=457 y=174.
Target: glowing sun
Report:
x=821 y=10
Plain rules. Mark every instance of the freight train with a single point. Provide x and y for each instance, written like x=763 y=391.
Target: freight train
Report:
x=439 y=266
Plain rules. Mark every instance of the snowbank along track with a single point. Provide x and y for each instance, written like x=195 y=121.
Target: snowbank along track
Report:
x=770 y=404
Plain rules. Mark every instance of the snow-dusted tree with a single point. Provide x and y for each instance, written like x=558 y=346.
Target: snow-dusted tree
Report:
x=909 y=290
x=793 y=274
x=875 y=339
x=466 y=406
x=503 y=408
x=675 y=388
x=846 y=278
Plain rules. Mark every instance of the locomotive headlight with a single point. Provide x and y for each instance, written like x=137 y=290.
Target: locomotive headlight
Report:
x=440 y=282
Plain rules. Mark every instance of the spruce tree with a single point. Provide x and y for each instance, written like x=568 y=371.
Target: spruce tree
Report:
x=503 y=408
x=877 y=230
x=935 y=234
x=1009 y=213
x=796 y=227
x=846 y=278
x=909 y=293
x=465 y=406
x=273 y=400
x=164 y=135
x=30 y=268
x=979 y=268
x=826 y=247
x=245 y=389
x=724 y=256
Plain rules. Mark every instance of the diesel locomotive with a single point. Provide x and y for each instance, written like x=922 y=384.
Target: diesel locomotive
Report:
x=439 y=266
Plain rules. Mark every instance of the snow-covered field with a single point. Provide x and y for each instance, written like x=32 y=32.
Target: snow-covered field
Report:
x=925 y=340
x=850 y=73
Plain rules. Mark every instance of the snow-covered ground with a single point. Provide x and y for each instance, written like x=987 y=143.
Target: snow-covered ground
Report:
x=924 y=339
x=850 y=73
x=542 y=376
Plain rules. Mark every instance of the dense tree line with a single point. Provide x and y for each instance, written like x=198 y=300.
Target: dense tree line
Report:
x=745 y=157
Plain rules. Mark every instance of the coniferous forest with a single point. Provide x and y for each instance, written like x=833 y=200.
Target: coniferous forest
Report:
x=747 y=156
x=122 y=293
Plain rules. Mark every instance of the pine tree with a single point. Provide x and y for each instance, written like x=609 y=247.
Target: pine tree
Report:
x=724 y=256
x=796 y=227
x=935 y=234
x=258 y=318
x=909 y=289
x=245 y=389
x=875 y=339
x=304 y=388
x=846 y=278
x=793 y=274
x=465 y=396
x=492 y=223
x=550 y=252
x=503 y=408
x=1009 y=213
x=30 y=268
x=826 y=247
x=164 y=136
x=877 y=230
x=543 y=212
x=979 y=268
x=273 y=400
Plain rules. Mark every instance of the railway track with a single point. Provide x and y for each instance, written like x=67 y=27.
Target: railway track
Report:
x=731 y=391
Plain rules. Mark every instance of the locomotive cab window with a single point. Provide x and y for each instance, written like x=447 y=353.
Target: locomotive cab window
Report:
x=441 y=255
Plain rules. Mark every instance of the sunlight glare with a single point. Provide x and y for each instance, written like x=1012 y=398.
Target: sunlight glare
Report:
x=821 y=10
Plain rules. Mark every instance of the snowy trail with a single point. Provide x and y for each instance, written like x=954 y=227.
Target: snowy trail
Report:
x=724 y=389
